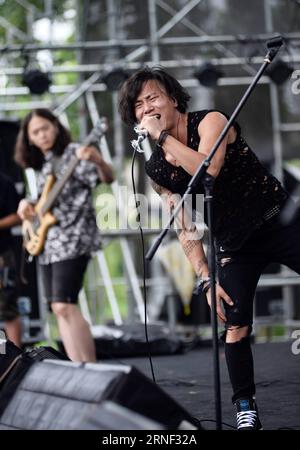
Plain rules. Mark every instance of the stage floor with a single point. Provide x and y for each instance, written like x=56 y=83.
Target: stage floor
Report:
x=188 y=378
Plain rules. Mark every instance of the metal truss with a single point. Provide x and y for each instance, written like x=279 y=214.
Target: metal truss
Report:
x=137 y=48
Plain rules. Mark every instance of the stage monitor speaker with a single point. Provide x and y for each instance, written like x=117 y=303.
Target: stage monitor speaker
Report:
x=14 y=364
x=64 y=395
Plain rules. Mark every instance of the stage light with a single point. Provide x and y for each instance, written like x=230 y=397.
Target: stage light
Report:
x=114 y=78
x=279 y=71
x=38 y=82
x=33 y=77
x=207 y=74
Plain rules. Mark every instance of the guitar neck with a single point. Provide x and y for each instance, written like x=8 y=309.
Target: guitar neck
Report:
x=59 y=185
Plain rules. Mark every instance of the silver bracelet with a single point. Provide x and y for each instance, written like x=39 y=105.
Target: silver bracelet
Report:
x=200 y=283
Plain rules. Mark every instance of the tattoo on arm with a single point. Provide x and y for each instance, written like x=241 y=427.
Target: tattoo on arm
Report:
x=165 y=195
x=202 y=262
x=189 y=246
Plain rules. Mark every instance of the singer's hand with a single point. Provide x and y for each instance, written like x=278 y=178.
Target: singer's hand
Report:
x=153 y=125
x=221 y=297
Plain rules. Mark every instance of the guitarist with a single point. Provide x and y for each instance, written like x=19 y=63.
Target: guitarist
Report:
x=45 y=145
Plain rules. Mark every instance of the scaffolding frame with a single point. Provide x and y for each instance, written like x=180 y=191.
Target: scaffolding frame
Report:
x=138 y=48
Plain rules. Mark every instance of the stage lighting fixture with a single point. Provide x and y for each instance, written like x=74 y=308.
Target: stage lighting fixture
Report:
x=38 y=82
x=207 y=74
x=279 y=71
x=114 y=78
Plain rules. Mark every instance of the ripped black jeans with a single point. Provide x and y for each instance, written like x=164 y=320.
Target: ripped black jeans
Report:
x=239 y=272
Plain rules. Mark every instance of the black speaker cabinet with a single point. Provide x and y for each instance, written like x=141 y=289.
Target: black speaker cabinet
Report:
x=64 y=395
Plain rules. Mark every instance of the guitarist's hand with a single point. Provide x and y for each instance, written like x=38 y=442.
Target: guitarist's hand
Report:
x=89 y=154
x=93 y=155
x=26 y=210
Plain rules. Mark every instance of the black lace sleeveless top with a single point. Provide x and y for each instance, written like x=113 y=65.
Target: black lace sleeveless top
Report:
x=245 y=193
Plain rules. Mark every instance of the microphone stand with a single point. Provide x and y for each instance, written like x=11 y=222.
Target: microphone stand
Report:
x=208 y=182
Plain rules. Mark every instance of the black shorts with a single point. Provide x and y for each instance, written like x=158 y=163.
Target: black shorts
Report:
x=8 y=287
x=63 y=280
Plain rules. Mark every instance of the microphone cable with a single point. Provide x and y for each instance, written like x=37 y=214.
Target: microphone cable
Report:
x=144 y=264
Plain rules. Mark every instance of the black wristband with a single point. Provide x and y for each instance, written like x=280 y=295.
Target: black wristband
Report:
x=206 y=288
x=162 y=137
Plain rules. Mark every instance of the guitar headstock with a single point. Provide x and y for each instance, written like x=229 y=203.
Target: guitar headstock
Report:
x=97 y=132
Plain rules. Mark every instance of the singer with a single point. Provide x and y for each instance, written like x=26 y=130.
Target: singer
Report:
x=247 y=207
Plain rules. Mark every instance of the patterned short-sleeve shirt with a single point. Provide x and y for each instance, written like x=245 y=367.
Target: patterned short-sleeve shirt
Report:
x=75 y=232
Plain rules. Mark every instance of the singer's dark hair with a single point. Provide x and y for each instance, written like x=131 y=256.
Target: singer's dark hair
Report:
x=27 y=154
x=133 y=86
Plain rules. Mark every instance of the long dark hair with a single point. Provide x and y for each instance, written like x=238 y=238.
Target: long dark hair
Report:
x=133 y=86
x=28 y=155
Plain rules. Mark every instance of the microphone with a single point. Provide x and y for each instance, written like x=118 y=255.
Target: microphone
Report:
x=273 y=46
x=142 y=135
x=141 y=132
x=276 y=41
